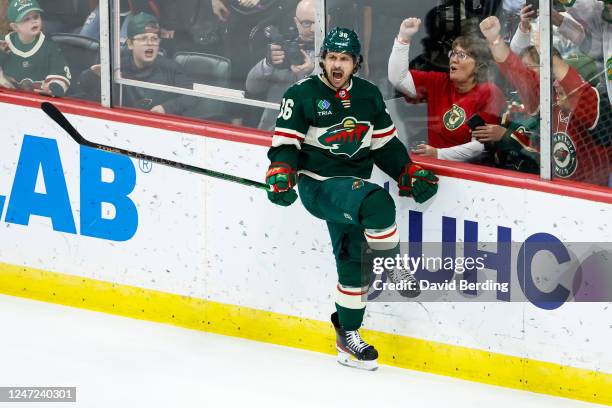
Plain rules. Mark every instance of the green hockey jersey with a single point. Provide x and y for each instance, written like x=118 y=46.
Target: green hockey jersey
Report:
x=519 y=148
x=30 y=66
x=326 y=133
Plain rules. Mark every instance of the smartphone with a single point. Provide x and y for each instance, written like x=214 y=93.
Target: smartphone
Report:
x=474 y=121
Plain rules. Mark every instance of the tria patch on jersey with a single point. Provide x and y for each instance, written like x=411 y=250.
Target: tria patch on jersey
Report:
x=324 y=106
x=565 y=160
x=454 y=117
x=345 y=138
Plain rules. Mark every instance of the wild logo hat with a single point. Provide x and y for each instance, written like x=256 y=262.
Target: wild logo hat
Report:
x=18 y=9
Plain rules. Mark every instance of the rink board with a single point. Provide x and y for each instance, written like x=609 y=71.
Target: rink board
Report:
x=210 y=255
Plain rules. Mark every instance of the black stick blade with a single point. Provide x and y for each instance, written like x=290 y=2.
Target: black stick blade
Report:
x=59 y=118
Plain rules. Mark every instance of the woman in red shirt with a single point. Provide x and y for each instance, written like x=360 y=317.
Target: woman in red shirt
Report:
x=452 y=98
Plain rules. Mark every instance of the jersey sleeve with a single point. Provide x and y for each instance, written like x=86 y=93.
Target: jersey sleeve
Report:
x=524 y=80
x=388 y=152
x=59 y=75
x=290 y=130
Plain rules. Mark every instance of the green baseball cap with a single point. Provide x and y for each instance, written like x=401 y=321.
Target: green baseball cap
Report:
x=342 y=40
x=18 y=9
x=142 y=23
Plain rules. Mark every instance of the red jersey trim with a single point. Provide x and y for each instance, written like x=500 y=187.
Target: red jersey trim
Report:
x=344 y=292
x=381 y=236
x=252 y=136
x=288 y=135
x=390 y=132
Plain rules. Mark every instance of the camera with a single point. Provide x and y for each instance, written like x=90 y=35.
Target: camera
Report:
x=290 y=45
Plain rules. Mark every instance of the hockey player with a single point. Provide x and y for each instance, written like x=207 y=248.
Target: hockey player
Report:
x=29 y=61
x=331 y=129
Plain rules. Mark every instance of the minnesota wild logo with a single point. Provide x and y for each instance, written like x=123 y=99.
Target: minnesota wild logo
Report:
x=454 y=117
x=565 y=161
x=345 y=138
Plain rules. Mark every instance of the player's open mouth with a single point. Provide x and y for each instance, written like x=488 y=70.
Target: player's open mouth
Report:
x=337 y=75
x=149 y=53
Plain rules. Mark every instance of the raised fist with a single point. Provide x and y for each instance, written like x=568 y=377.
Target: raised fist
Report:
x=409 y=28
x=490 y=28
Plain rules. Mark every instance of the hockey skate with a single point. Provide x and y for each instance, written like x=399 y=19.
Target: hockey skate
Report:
x=409 y=286
x=352 y=350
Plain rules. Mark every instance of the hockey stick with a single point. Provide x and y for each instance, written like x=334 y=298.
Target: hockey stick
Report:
x=59 y=118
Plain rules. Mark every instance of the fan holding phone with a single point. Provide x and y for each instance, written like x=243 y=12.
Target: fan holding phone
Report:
x=485 y=132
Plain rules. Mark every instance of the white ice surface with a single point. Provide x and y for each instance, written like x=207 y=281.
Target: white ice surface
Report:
x=117 y=362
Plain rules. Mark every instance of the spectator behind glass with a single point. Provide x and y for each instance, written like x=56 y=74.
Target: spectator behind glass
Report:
x=356 y=14
x=575 y=154
x=272 y=75
x=568 y=34
x=65 y=16
x=443 y=24
x=30 y=61
x=143 y=63
x=596 y=17
x=240 y=17
x=452 y=98
x=242 y=20
x=129 y=8
x=4 y=23
x=508 y=11
x=190 y=25
x=185 y=25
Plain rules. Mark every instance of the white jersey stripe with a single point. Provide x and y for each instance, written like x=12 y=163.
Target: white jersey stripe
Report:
x=379 y=142
x=385 y=130
x=283 y=141
x=351 y=298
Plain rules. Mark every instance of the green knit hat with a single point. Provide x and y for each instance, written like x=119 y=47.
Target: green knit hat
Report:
x=142 y=23
x=18 y=9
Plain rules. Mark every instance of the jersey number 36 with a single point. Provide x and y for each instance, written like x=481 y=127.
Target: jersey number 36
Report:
x=286 y=109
